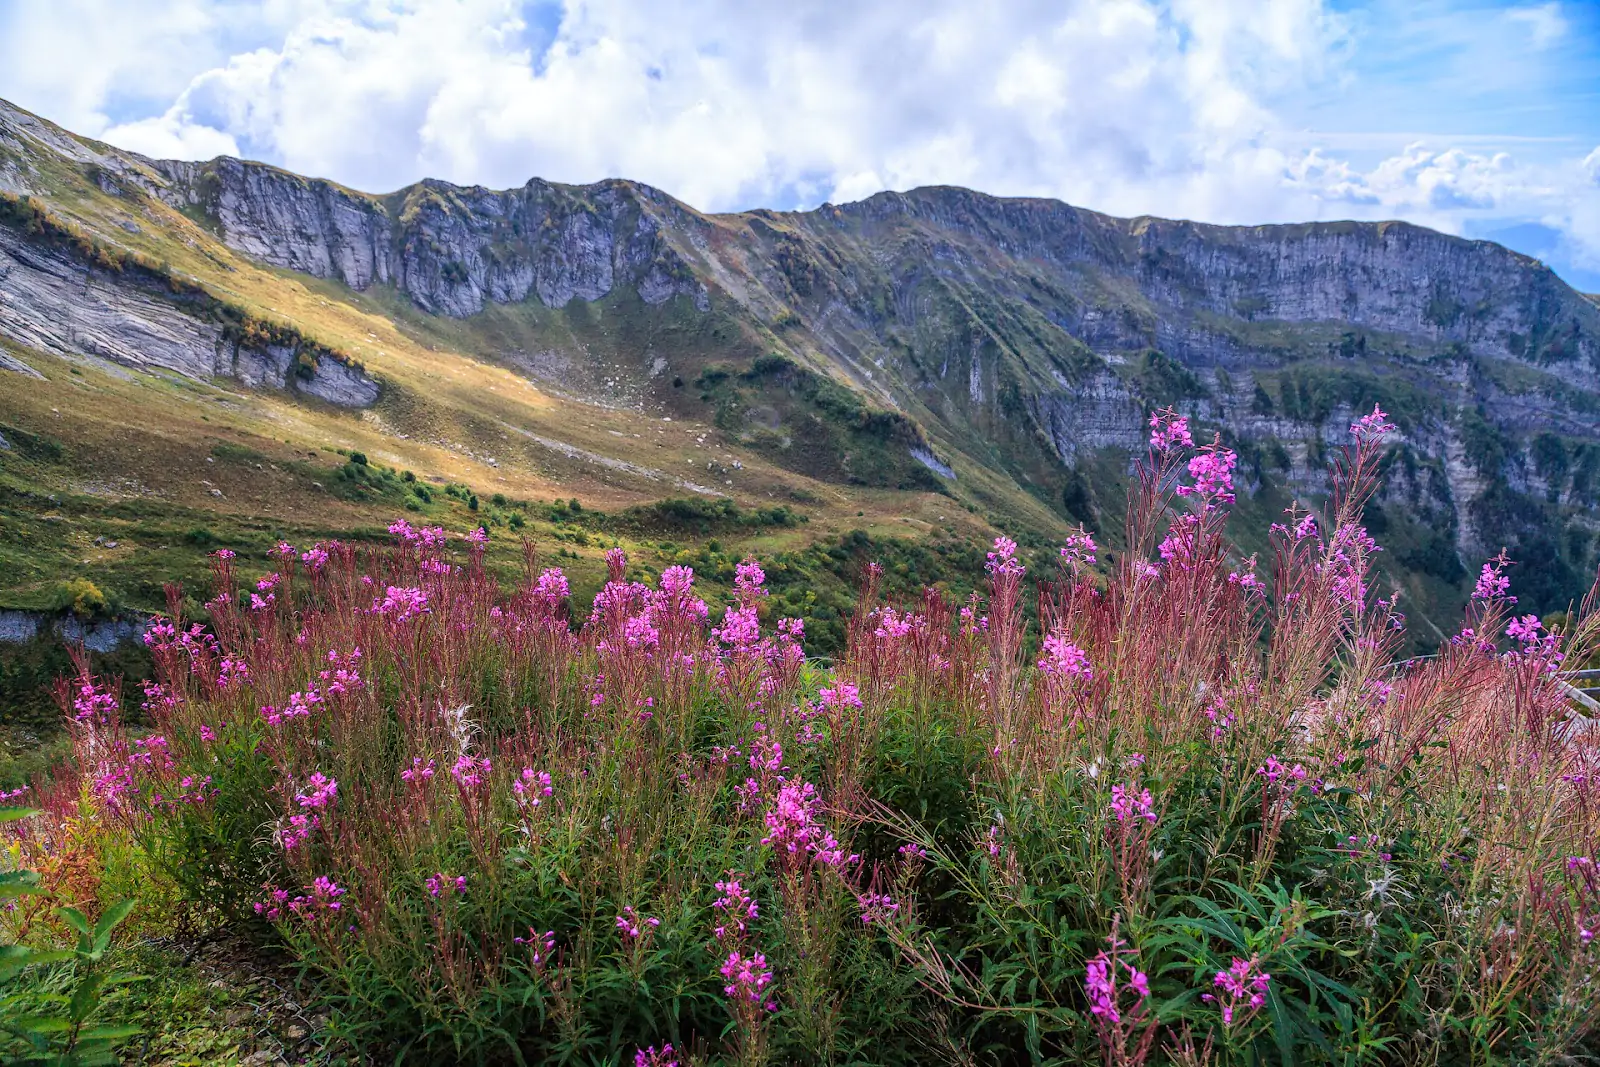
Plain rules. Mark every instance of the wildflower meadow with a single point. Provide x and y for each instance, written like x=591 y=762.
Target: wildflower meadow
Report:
x=1202 y=813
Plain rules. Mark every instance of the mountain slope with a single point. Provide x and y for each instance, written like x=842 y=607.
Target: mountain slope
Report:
x=921 y=354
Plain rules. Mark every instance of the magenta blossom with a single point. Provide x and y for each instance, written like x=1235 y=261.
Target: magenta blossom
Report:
x=654 y=1057
x=1244 y=989
x=1169 y=430
x=1003 y=559
x=1128 y=806
x=634 y=925
x=747 y=976
x=1212 y=471
x=1063 y=660
x=1376 y=424
x=1492 y=581
x=320 y=792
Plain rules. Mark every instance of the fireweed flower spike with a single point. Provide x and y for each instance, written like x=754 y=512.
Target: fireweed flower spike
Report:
x=1243 y=990
x=1492 y=581
x=1376 y=424
x=1169 y=430
x=634 y=925
x=1118 y=992
x=1212 y=471
x=654 y=1057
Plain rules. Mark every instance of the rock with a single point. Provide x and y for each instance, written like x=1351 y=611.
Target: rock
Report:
x=54 y=301
x=451 y=249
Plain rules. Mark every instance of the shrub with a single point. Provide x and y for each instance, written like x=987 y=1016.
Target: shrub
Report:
x=81 y=597
x=1210 y=819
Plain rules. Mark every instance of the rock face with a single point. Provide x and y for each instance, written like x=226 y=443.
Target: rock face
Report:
x=17 y=627
x=450 y=249
x=54 y=301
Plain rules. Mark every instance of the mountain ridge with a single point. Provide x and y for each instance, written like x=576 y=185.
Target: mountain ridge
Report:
x=1001 y=351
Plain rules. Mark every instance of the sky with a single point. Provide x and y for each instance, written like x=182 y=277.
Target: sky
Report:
x=1476 y=117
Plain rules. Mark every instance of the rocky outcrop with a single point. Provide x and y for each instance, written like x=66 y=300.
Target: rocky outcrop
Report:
x=97 y=635
x=451 y=249
x=54 y=301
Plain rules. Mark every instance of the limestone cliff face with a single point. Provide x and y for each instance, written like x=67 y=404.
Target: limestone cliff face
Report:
x=54 y=301
x=451 y=249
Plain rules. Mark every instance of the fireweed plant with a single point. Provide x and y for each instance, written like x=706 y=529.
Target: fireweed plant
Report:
x=1209 y=820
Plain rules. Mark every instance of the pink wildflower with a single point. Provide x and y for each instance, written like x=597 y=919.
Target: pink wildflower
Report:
x=747 y=977
x=320 y=792
x=1212 y=471
x=1169 y=430
x=1003 y=561
x=1063 y=660
x=1492 y=582
x=532 y=788
x=1127 y=806
x=653 y=1057
x=633 y=925
x=1376 y=424
x=1244 y=989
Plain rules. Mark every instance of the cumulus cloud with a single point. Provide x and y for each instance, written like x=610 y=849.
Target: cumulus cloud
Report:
x=1170 y=107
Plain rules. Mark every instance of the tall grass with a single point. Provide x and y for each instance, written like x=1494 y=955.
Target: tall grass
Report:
x=1211 y=820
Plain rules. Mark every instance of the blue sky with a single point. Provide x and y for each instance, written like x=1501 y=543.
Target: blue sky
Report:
x=1480 y=118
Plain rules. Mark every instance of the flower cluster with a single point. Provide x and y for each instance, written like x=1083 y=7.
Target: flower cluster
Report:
x=532 y=788
x=633 y=925
x=1212 y=471
x=748 y=977
x=793 y=829
x=654 y=1057
x=322 y=900
x=401 y=603
x=1079 y=551
x=1062 y=659
x=1128 y=806
x=1376 y=424
x=737 y=906
x=299 y=706
x=470 y=773
x=1492 y=581
x=1169 y=430
x=1002 y=560
x=439 y=883
x=542 y=946
x=1244 y=989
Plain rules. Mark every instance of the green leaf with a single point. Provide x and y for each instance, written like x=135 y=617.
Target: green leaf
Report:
x=86 y=997
x=108 y=923
x=43 y=1024
x=74 y=918
x=15 y=814
x=108 y=1033
x=18 y=883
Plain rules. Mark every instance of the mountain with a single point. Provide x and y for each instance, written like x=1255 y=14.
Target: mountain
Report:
x=936 y=360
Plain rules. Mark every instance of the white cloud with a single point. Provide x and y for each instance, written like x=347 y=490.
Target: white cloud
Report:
x=172 y=136
x=1545 y=24
x=1169 y=107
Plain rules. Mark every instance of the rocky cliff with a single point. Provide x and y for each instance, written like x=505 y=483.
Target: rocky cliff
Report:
x=56 y=301
x=450 y=249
